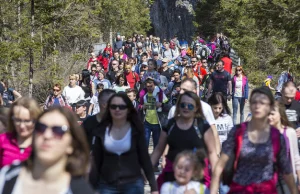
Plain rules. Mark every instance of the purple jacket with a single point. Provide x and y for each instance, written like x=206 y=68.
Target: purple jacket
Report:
x=245 y=87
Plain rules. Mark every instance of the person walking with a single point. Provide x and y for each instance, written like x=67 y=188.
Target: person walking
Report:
x=120 y=150
x=15 y=144
x=240 y=91
x=257 y=149
x=72 y=92
x=59 y=158
x=55 y=98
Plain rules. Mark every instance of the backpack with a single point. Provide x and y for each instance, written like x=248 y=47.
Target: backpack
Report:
x=210 y=46
x=204 y=53
x=232 y=163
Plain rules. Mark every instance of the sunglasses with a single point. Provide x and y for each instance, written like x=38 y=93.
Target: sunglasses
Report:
x=54 y=90
x=238 y=70
x=120 y=106
x=58 y=131
x=114 y=64
x=193 y=61
x=189 y=106
x=94 y=70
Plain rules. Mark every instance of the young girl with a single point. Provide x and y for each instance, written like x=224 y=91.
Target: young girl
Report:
x=188 y=170
x=222 y=115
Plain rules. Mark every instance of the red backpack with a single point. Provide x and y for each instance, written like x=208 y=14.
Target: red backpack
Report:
x=231 y=165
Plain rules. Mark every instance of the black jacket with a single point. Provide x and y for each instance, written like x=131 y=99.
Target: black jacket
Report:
x=114 y=169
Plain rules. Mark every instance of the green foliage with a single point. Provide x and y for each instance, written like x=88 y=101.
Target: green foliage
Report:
x=266 y=34
x=63 y=30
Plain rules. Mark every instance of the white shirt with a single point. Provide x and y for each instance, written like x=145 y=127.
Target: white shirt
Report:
x=94 y=101
x=223 y=124
x=117 y=146
x=174 y=188
x=238 y=92
x=206 y=109
x=73 y=95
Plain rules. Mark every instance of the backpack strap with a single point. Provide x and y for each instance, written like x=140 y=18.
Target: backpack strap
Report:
x=171 y=125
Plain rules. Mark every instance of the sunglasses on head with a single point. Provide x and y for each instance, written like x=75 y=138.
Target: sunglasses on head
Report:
x=189 y=106
x=58 y=131
x=120 y=106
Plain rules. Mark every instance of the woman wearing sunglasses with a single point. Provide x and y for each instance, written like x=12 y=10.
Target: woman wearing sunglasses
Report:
x=120 y=150
x=188 y=130
x=16 y=143
x=240 y=92
x=58 y=162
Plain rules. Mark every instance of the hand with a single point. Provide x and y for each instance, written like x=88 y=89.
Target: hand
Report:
x=158 y=104
x=246 y=100
x=229 y=97
x=190 y=191
x=298 y=132
x=201 y=88
x=200 y=76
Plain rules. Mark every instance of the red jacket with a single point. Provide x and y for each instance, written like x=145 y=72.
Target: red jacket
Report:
x=132 y=78
x=104 y=62
x=297 y=97
x=227 y=64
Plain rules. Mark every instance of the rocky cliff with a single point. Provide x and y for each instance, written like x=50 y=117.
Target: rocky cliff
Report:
x=170 y=17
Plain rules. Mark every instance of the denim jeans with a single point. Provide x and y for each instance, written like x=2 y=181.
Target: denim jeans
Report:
x=223 y=189
x=235 y=104
x=155 y=129
x=136 y=187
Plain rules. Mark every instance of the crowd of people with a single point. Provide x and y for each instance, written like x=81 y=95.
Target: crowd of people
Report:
x=93 y=135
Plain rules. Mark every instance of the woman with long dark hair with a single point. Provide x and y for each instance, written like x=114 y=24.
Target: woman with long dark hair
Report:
x=121 y=84
x=120 y=150
x=257 y=150
x=188 y=130
x=59 y=158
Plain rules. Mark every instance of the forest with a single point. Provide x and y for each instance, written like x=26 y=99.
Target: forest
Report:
x=55 y=35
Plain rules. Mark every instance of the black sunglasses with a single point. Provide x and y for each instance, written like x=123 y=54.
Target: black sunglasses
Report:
x=120 y=106
x=189 y=106
x=58 y=131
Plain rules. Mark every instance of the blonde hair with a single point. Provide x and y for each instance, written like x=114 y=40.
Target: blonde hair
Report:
x=74 y=76
x=28 y=103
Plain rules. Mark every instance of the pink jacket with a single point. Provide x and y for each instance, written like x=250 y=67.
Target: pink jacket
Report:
x=10 y=151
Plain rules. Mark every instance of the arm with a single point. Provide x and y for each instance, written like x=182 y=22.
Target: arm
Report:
x=294 y=150
x=246 y=90
x=93 y=88
x=289 y=180
x=229 y=86
x=17 y=94
x=160 y=148
x=215 y=182
x=45 y=107
x=211 y=148
x=217 y=139
x=97 y=152
x=1 y=100
x=145 y=162
x=210 y=86
x=90 y=109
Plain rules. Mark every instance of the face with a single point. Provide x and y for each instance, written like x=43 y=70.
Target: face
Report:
x=116 y=55
x=115 y=65
x=187 y=107
x=274 y=117
x=131 y=96
x=288 y=95
x=93 y=71
x=122 y=81
x=220 y=66
x=121 y=66
x=187 y=86
x=194 y=62
x=120 y=52
x=100 y=76
x=144 y=58
x=72 y=81
x=53 y=141
x=141 y=74
x=80 y=110
x=260 y=106
x=183 y=171
x=98 y=67
x=150 y=86
x=238 y=71
x=118 y=108
x=56 y=91
x=145 y=67
x=150 y=67
x=184 y=61
x=176 y=76
x=127 y=68
x=204 y=63
x=217 y=109
x=23 y=122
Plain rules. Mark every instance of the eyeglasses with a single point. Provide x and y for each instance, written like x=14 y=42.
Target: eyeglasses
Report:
x=204 y=62
x=193 y=61
x=58 y=131
x=120 y=106
x=189 y=106
x=93 y=70
x=55 y=90
x=114 y=64
x=238 y=70
x=18 y=121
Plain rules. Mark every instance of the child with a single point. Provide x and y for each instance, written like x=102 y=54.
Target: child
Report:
x=188 y=170
x=94 y=104
x=131 y=93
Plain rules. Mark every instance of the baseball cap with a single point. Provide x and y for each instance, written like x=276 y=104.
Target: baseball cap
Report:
x=270 y=76
x=145 y=63
x=185 y=57
x=81 y=103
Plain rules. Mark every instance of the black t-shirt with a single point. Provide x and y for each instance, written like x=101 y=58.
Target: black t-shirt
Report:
x=128 y=48
x=293 y=113
x=89 y=125
x=220 y=81
x=168 y=74
x=180 y=140
x=81 y=120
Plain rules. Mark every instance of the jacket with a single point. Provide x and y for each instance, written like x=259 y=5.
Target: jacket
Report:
x=245 y=87
x=116 y=169
x=10 y=150
x=9 y=176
